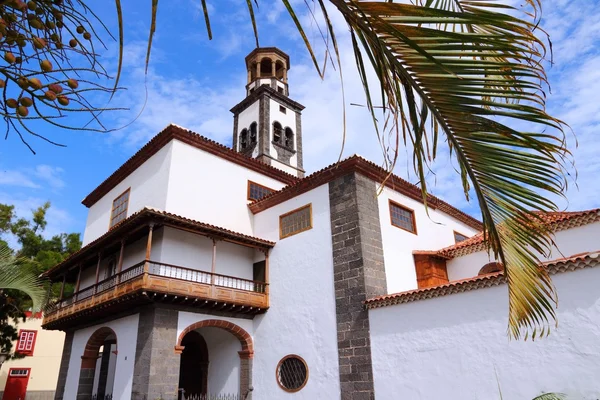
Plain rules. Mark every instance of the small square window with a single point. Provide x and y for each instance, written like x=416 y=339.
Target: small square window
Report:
x=26 y=342
x=459 y=237
x=282 y=109
x=279 y=89
x=402 y=217
x=257 y=192
x=295 y=221
x=119 y=208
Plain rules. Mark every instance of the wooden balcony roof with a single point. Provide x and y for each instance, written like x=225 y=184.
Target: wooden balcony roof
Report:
x=136 y=225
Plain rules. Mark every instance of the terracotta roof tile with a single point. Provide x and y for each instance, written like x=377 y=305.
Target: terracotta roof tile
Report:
x=574 y=262
x=369 y=169
x=557 y=220
x=193 y=139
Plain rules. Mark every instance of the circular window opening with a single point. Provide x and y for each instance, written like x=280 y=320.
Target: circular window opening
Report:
x=292 y=373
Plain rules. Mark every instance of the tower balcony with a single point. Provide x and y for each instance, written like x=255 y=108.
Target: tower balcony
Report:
x=157 y=257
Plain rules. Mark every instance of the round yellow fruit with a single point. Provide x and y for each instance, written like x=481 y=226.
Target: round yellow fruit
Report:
x=26 y=101
x=46 y=66
x=12 y=103
x=35 y=83
x=62 y=100
x=22 y=111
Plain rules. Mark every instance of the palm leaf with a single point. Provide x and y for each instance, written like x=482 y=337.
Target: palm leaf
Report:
x=13 y=276
x=551 y=396
x=470 y=71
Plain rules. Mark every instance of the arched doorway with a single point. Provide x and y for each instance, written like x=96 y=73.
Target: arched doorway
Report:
x=193 y=367
x=98 y=361
x=245 y=355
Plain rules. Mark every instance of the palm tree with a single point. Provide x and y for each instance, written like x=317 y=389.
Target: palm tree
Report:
x=464 y=72
x=13 y=276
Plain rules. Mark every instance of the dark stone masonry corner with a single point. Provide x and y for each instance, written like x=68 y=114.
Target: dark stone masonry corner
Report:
x=359 y=274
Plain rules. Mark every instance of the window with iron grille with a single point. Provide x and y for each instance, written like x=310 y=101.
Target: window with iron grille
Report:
x=119 y=208
x=402 y=217
x=292 y=373
x=19 y=372
x=295 y=221
x=26 y=342
x=257 y=192
x=459 y=237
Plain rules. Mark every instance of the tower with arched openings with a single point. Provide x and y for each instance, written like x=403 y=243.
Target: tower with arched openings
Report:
x=267 y=123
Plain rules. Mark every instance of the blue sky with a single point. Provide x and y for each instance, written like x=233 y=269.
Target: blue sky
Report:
x=194 y=82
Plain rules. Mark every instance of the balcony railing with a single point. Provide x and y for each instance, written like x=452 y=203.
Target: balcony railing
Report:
x=164 y=278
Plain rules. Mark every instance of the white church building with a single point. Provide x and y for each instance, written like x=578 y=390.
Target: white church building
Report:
x=209 y=270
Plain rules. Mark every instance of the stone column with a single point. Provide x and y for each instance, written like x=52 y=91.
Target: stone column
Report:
x=359 y=274
x=64 y=367
x=246 y=374
x=86 y=383
x=156 y=368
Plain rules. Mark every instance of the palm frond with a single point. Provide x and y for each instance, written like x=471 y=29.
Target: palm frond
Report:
x=551 y=396
x=471 y=72
x=14 y=276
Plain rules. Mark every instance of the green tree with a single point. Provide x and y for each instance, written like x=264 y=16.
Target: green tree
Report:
x=20 y=287
x=455 y=72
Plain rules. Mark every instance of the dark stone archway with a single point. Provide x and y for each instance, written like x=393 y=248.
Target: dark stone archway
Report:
x=101 y=337
x=193 y=367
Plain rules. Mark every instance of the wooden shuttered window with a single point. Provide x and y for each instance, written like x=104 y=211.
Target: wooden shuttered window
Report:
x=295 y=221
x=26 y=342
x=119 y=208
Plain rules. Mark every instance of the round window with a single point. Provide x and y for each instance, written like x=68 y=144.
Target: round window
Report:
x=292 y=373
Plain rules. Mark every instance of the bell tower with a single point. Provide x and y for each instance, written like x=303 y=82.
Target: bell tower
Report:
x=267 y=124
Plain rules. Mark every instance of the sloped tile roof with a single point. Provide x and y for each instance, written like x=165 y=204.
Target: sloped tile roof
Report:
x=557 y=220
x=574 y=262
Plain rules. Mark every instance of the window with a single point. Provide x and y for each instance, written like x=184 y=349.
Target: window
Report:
x=491 y=268
x=459 y=237
x=253 y=131
x=244 y=139
x=295 y=221
x=292 y=373
x=19 y=372
x=289 y=138
x=277 y=132
x=282 y=109
x=402 y=217
x=26 y=342
x=119 y=208
x=279 y=89
x=257 y=192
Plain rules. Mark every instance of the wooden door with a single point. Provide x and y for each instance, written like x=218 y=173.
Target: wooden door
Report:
x=16 y=384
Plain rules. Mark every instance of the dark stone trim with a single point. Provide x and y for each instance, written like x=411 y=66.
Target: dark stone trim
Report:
x=86 y=383
x=284 y=154
x=64 y=366
x=268 y=91
x=300 y=162
x=359 y=274
x=156 y=367
x=264 y=126
x=235 y=131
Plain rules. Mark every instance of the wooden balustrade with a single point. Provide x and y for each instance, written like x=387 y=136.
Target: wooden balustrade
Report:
x=167 y=279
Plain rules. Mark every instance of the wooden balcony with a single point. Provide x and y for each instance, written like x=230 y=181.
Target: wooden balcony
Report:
x=150 y=281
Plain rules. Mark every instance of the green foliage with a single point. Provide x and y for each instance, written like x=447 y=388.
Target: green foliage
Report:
x=20 y=287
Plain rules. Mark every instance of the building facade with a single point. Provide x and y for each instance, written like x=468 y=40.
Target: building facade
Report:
x=34 y=375
x=209 y=270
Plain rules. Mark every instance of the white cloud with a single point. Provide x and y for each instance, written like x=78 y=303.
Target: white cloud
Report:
x=50 y=175
x=203 y=105
x=17 y=178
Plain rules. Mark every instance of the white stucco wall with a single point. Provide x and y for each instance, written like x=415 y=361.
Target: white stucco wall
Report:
x=126 y=331
x=568 y=242
x=224 y=361
x=147 y=183
x=210 y=189
x=451 y=347
x=434 y=231
x=302 y=318
x=246 y=117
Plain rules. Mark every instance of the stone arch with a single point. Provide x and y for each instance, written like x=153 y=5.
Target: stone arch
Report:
x=277 y=133
x=253 y=132
x=244 y=138
x=246 y=354
x=266 y=69
x=279 y=68
x=89 y=359
x=243 y=336
x=288 y=140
